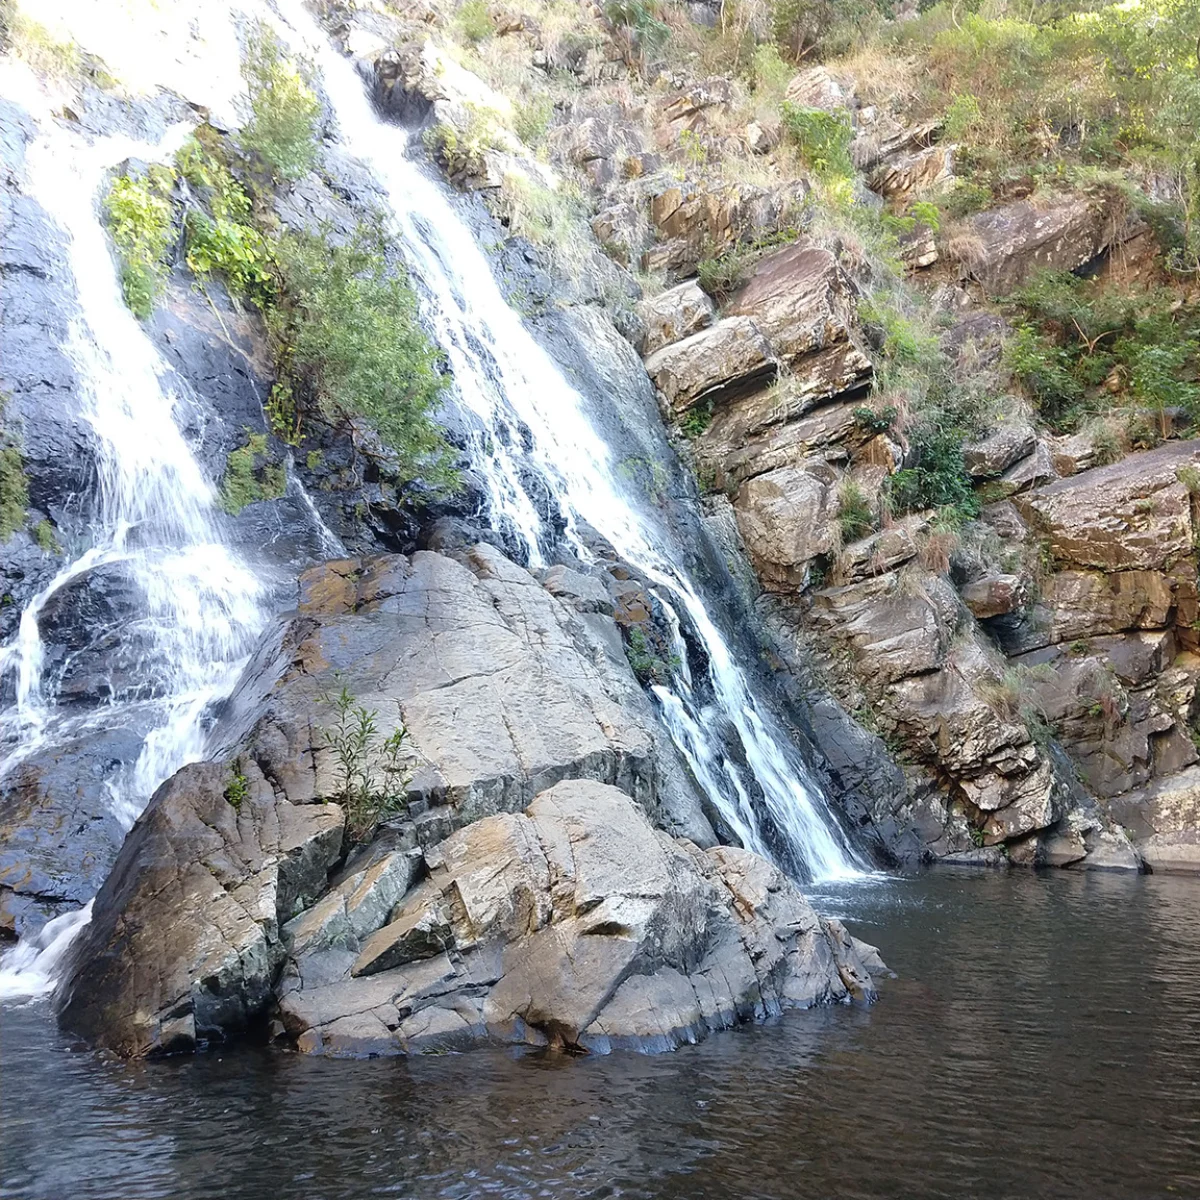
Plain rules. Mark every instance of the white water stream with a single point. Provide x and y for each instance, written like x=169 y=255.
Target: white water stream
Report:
x=150 y=518
x=508 y=380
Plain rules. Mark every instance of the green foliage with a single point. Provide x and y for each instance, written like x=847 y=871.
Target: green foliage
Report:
x=647 y=664
x=462 y=148
x=236 y=251
x=897 y=335
x=372 y=772
x=250 y=476
x=285 y=109
x=875 y=420
x=697 y=419
x=14 y=491
x=237 y=790
x=138 y=213
x=856 y=518
x=531 y=119
x=822 y=138
x=474 y=22
x=768 y=71
x=350 y=344
x=641 y=19
x=46 y=538
x=1082 y=350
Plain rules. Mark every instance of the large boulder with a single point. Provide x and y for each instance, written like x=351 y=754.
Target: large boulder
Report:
x=731 y=358
x=674 y=315
x=184 y=940
x=787 y=518
x=573 y=924
x=801 y=300
x=1004 y=246
x=1134 y=515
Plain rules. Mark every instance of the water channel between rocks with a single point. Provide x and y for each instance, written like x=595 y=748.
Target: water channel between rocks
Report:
x=1041 y=1039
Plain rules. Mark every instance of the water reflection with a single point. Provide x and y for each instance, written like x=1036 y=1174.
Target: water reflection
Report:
x=1041 y=1040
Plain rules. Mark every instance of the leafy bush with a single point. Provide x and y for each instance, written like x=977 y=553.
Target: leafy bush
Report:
x=372 y=772
x=474 y=21
x=1082 y=349
x=350 y=343
x=285 y=110
x=236 y=251
x=138 y=213
x=822 y=138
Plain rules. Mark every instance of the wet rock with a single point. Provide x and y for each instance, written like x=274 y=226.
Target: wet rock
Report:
x=59 y=833
x=576 y=924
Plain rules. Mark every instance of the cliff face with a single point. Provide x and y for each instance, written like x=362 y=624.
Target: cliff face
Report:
x=1023 y=645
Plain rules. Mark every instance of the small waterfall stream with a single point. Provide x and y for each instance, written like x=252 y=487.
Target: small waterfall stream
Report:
x=508 y=381
x=150 y=521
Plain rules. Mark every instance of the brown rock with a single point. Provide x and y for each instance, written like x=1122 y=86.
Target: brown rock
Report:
x=728 y=359
x=1003 y=246
x=1134 y=515
x=994 y=595
x=801 y=300
x=787 y=517
x=674 y=315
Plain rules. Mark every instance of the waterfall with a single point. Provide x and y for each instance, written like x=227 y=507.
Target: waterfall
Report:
x=150 y=518
x=508 y=382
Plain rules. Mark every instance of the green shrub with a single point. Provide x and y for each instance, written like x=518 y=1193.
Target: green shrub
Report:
x=372 y=772
x=531 y=119
x=14 y=491
x=822 y=138
x=138 y=214
x=1082 y=349
x=236 y=251
x=285 y=109
x=640 y=18
x=46 y=538
x=856 y=518
x=474 y=22
x=350 y=344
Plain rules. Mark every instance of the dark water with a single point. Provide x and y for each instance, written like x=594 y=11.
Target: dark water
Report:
x=1043 y=1040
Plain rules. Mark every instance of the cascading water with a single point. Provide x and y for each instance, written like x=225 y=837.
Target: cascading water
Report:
x=508 y=381
x=150 y=521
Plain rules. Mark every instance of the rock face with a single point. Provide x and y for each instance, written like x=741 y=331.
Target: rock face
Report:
x=184 y=939
x=572 y=924
x=1004 y=246
x=546 y=906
